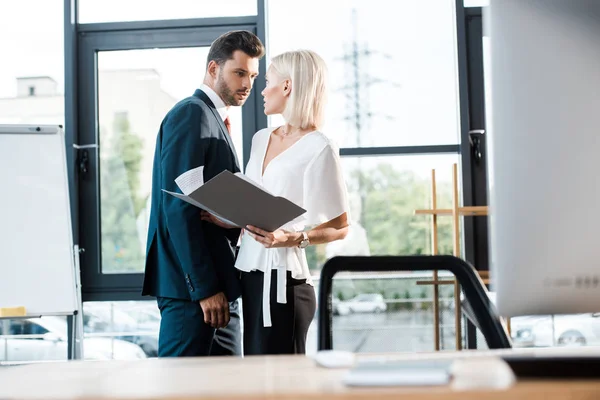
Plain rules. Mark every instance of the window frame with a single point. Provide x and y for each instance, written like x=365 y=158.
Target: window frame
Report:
x=82 y=44
x=127 y=286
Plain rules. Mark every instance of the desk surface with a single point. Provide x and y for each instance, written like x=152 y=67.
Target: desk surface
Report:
x=278 y=377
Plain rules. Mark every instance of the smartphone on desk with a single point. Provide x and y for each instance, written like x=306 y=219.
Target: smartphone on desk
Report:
x=399 y=373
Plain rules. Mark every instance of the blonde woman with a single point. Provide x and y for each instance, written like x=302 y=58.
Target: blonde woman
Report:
x=298 y=162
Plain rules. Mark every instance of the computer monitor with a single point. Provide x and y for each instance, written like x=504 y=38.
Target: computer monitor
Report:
x=544 y=155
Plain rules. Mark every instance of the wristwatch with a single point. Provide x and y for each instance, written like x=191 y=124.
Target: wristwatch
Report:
x=305 y=242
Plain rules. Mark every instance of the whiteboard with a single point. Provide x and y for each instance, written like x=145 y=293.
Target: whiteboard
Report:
x=37 y=267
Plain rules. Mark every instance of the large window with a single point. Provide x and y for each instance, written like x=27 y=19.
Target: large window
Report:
x=394 y=111
x=389 y=95
x=136 y=88
x=388 y=87
x=129 y=76
x=32 y=70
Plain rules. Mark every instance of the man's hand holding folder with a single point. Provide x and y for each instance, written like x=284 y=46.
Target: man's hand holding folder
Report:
x=208 y=217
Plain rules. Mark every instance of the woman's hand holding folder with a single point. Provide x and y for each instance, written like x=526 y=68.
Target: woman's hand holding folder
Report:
x=278 y=238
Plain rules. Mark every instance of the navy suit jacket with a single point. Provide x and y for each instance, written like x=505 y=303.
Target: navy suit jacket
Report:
x=187 y=258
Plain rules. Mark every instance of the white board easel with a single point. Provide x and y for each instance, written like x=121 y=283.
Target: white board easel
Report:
x=39 y=266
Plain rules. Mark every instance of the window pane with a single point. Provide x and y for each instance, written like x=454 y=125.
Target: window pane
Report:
x=387 y=89
x=391 y=312
x=136 y=88
x=112 y=330
x=145 y=10
x=384 y=193
x=32 y=77
x=34 y=339
x=131 y=327
x=556 y=330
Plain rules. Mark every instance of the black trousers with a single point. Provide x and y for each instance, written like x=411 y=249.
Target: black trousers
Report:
x=183 y=332
x=290 y=321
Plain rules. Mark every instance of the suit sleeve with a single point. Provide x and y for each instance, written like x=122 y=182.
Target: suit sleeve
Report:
x=184 y=147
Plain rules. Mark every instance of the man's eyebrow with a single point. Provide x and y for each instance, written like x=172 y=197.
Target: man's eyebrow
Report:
x=245 y=71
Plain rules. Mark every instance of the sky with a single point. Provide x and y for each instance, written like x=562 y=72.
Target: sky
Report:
x=408 y=83
x=31 y=41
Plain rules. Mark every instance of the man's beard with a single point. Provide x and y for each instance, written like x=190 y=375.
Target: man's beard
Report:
x=226 y=93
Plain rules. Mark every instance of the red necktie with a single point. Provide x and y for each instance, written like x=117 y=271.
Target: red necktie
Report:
x=227 y=125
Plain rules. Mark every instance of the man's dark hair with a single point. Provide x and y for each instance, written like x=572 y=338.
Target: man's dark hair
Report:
x=224 y=46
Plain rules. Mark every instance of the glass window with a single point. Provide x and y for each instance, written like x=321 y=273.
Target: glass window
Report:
x=32 y=78
x=388 y=87
x=389 y=312
x=136 y=88
x=556 y=330
x=384 y=193
x=35 y=339
x=145 y=10
x=132 y=325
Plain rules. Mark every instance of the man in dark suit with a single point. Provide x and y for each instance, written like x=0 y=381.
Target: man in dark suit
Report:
x=190 y=262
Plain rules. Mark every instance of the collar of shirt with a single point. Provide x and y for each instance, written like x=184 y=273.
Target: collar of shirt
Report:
x=217 y=101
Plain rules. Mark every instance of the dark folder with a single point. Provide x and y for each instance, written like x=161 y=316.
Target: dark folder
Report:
x=239 y=201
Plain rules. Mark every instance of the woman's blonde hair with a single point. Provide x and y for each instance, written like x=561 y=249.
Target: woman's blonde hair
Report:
x=307 y=71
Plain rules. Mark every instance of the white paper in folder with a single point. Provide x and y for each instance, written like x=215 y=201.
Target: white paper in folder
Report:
x=190 y=180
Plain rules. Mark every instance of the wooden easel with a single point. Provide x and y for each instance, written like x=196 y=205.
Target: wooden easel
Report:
x=455 y=212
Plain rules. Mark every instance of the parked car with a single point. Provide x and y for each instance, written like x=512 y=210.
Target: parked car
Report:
x=560 y=330
x=47 y=340
x=363 y=303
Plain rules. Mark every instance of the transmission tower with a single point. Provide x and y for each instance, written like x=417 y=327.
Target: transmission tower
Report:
x=356 y=93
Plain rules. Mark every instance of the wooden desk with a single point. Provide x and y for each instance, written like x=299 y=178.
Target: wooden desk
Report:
x=252 y=378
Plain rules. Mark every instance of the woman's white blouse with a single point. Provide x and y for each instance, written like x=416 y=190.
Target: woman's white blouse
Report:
x=309 y=174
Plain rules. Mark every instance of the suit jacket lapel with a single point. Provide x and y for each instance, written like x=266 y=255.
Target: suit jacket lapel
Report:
x=202 y=96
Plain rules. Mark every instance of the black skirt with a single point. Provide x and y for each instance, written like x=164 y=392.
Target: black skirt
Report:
x=290 y=321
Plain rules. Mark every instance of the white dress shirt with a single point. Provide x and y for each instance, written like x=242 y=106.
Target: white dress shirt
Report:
x=309 y=174
x=222 y=109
